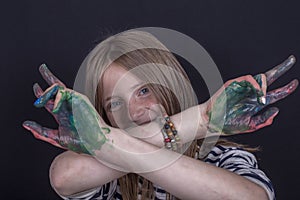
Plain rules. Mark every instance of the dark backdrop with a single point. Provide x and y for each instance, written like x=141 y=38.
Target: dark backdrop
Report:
x=241 y=36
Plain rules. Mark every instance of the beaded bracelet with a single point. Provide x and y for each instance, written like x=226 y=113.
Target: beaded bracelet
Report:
x=170 y=134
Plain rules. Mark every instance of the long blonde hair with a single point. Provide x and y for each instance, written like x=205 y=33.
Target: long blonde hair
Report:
x=130 y=50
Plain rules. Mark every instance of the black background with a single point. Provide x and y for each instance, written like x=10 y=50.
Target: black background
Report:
x=243 y=37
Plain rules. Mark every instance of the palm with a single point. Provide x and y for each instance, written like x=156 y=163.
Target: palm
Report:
x=234 y=108
x=63 y=103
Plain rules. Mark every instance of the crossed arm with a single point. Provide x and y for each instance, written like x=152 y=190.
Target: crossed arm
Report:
x=245 y=96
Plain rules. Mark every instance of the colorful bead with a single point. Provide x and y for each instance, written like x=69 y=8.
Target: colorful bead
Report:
x=170 y=134
x=168 y=145
x=174 y=146
x=167 y=126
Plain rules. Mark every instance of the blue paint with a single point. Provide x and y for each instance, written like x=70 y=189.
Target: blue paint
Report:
x=42 y=101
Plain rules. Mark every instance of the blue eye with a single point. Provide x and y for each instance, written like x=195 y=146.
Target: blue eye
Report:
x=114 y=105
x=143 y=91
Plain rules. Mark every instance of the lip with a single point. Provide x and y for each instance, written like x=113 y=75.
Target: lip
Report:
x=142 y=122
x=146 y=118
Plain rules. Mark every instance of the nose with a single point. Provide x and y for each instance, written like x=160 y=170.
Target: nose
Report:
x=138 y=109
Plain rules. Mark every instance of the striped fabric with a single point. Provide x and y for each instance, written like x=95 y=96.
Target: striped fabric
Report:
x=233 y=159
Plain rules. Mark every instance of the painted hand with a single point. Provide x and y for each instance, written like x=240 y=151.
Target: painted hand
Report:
x=79 y=127
x=234 y=108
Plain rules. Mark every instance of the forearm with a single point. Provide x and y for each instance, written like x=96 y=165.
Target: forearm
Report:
x=71 y=173
x=201 y=180
x=204 y=181
x=191 y=124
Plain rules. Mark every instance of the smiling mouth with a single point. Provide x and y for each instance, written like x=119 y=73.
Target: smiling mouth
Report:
x=142 y=122
x=147 y=118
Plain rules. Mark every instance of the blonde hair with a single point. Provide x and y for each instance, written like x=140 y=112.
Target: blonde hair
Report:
x=132 y=49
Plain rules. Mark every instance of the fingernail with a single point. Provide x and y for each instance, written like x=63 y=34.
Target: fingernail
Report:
x=27 y=125
x=35 y=85
x=262 y=100
x=44 y=66
x=273 y=111
x=37 y=103
x=291 y=59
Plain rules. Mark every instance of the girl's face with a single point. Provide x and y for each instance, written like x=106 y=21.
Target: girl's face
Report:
x=127 y=100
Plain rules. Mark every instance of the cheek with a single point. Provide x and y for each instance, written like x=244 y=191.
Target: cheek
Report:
x=119 y=119
x=111 y=120
x=139 y=105
x=151 y=100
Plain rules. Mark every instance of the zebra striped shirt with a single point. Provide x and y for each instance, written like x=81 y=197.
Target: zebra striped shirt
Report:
x=233 y=159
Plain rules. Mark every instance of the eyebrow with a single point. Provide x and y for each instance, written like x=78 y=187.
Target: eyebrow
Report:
x=108 y=98
x=132 y=87
x=137 y=85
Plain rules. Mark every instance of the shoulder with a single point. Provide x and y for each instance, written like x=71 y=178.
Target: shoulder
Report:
x=241 y=162
x=104 y=192
x=221 y=155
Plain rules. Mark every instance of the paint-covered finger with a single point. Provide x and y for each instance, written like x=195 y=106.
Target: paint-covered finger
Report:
x=62 y=95
x=262 y=81
x=245 y=87
x=233 y=86
x=280 y=69
x=264 y=119
x=37 y=90
x=42 y=133
x=280 y=93
x=58 y=101
x=49 y=77
x=241 y=91
x=46 y=96
x=247 y=78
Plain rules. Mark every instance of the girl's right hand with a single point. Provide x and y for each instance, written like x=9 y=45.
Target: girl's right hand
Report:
x=79 y=124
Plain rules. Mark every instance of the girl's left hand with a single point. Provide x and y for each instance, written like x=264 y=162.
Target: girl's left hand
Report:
x=234 y=108
x=79 y=127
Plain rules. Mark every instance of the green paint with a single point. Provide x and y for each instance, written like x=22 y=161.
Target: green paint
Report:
x=258 y=79
x=106 y=129
x=65 y=96
x=232 y=107
x=86 y=121
x=78 y=120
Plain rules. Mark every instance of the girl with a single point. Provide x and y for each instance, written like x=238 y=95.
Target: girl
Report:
x=128 y=144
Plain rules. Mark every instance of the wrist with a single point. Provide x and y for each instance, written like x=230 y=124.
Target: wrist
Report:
x=192 y=123
x=203 y=124
x=128 y=154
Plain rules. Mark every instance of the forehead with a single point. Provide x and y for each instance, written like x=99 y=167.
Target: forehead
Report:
x=116 y=79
